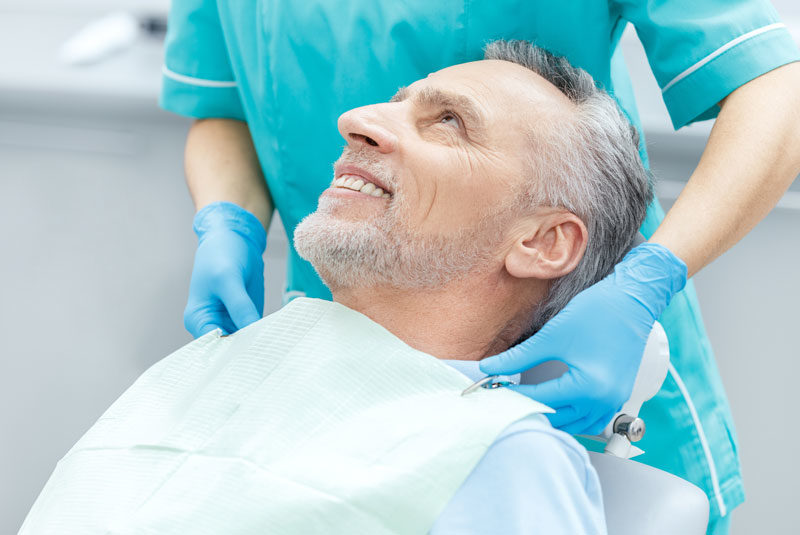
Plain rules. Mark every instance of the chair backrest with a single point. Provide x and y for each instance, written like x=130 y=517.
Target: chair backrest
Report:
x=642 y=500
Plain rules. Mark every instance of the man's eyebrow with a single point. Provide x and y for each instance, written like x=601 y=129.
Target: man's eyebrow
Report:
x=401 y=95
x=439 y=98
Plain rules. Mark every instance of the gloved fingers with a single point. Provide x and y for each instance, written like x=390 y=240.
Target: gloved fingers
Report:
x=240 y=307
x=523 y=356
x=205 y=329
x=255 y=288
x=563 y=416
x=200 y=319
x=558 y=392
x=226 y=324
x=589 y=424
x=597 y=427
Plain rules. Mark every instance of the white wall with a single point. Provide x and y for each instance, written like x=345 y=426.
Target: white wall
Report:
x=86 y=6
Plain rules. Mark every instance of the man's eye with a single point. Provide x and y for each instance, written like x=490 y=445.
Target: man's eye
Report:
x=450 y=118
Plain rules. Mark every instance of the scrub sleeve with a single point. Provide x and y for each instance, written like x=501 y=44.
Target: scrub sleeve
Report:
x=701 y=51
x=198 y=80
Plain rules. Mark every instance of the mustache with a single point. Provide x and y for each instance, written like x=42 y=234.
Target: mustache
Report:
x=370 y=162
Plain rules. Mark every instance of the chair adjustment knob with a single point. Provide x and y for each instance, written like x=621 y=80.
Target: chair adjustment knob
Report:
x=629 y=426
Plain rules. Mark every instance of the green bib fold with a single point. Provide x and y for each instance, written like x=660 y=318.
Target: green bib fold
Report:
x=314 y=419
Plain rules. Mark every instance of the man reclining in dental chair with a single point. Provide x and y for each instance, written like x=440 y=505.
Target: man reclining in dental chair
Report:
x=462 y=215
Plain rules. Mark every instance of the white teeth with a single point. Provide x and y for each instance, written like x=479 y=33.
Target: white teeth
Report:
x=359 y=184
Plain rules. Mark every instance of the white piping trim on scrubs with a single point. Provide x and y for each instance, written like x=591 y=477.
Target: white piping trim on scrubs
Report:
x=712 y=468
x=720 y=50
x=195 y=81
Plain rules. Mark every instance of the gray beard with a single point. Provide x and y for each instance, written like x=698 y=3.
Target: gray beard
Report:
x=384 y=251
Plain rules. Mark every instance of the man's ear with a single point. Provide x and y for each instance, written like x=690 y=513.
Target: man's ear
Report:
x=548 y=245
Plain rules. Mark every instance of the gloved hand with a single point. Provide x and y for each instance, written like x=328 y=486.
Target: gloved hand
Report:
x=227 y=286
x=600 y=335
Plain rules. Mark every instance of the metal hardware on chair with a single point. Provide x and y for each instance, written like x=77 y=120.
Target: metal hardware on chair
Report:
x=630 y=427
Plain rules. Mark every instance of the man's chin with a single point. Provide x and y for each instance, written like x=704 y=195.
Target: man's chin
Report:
x=344 y=252
x=346 y=209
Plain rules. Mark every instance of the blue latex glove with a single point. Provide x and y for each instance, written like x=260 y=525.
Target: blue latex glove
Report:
x=600 y=335
x=227 y=287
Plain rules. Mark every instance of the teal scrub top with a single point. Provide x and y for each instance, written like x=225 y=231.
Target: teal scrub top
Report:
x=289 y=69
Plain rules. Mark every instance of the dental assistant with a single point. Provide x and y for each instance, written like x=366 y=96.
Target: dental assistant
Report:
x=267 y=81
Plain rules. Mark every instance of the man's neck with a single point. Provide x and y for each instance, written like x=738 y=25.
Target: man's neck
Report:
x=466 y=320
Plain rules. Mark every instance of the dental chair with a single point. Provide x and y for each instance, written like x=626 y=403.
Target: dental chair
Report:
x=639 y=499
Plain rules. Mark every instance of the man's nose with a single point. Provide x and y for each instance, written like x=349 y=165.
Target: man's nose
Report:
x=366 y=126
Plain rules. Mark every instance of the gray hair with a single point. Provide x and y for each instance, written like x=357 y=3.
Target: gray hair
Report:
x=589 y=166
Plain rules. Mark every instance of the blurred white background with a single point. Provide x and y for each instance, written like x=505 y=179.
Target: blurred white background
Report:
x=97 y=248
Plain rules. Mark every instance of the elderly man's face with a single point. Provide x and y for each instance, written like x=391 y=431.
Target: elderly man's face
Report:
x=451 y=151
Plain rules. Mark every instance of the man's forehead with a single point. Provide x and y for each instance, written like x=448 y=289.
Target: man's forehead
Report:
x=489 y=83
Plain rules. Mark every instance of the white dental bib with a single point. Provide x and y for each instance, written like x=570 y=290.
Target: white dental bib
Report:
x=314 y=419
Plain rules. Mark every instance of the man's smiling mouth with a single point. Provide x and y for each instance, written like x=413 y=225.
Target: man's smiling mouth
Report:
x=357 y=183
